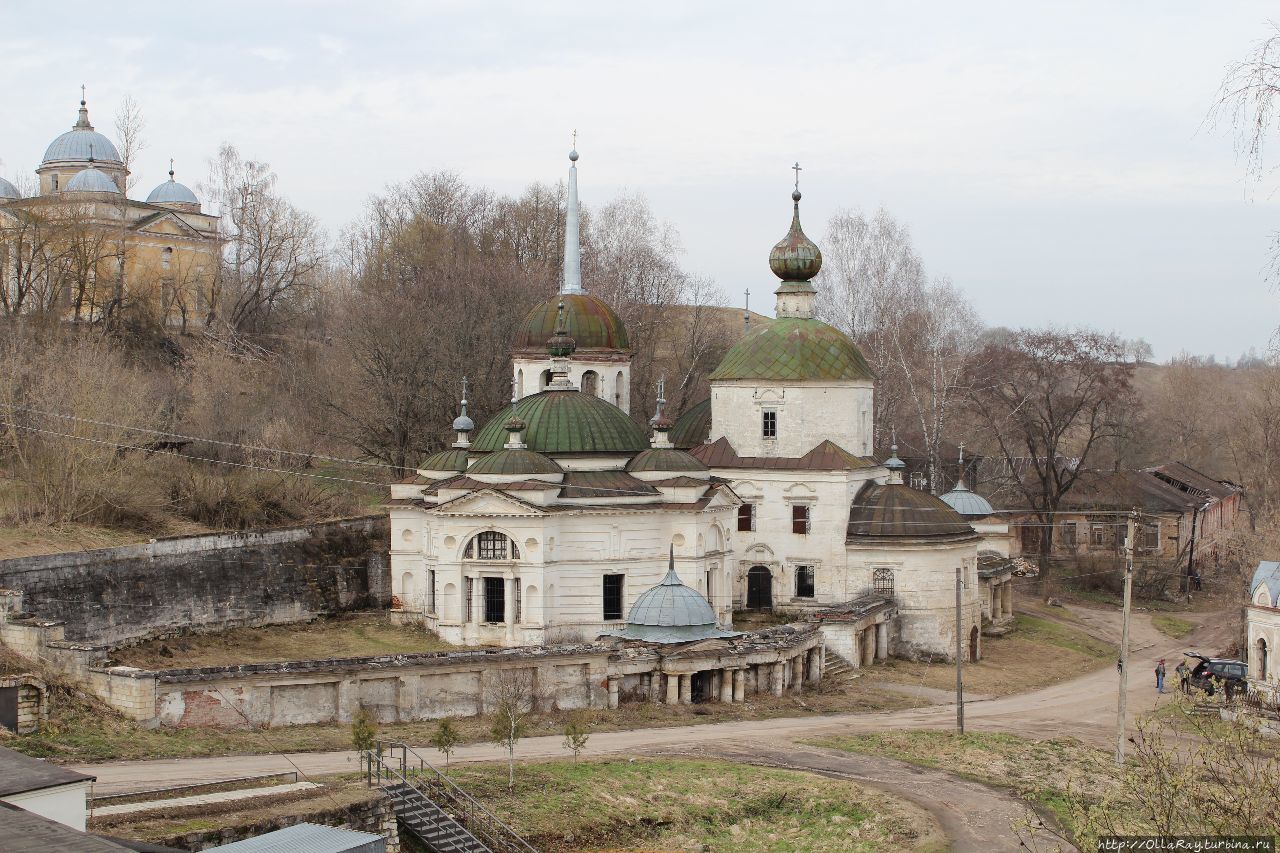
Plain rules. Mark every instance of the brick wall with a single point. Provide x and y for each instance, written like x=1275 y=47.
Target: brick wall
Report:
x=114 y=596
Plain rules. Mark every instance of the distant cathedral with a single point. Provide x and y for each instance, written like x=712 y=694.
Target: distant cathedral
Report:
x=552 y=520
x=80 y=247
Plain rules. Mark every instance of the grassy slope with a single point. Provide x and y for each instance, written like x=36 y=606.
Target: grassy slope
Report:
x=1172 y=626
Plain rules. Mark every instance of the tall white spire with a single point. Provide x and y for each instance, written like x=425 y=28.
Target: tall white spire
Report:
x=572 y=244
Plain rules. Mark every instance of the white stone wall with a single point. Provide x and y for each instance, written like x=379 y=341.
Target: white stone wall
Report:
x=613 y=378
x=564 y=556
x=65 y=804
x=1264 y=624
x=773 y=544
x=924 y=588
x=807 y=414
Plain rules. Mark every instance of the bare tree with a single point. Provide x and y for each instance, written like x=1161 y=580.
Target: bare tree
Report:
x=510 y=698
x=130 y=126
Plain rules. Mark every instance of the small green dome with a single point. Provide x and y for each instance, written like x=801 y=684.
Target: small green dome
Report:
x=664 y=459
x=588 y=320
x=566 y=422
x=693 y=427
x=897 y=510
x=794 y=349
x=795 y=257
x=515 y=460
x=450 y=459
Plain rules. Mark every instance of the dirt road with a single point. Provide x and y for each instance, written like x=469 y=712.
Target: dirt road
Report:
x=1083 y=707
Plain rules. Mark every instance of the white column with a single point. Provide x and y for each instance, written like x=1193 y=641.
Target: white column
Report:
x=673 y=688
x=739 y=685
x=882 y=640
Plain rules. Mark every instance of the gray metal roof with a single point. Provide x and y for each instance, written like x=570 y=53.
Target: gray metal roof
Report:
x=1268 y=572
x=172 y=192
x=671 y=604
x=81 y=144
x=49 y=836
x=91 y=180
x=8 y=190
x=966 y=502
x=21 y=773
x=309 y=838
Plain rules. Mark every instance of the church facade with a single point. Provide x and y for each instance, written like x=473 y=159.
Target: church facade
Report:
x=80 y=247
x=549 y=523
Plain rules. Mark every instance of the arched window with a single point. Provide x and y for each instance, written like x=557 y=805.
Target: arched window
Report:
x=544 y=380
x=619 y=389
x=1262 y=659
x=491 y=545
x=591 y=383
x=882 y=581
x=520 y=383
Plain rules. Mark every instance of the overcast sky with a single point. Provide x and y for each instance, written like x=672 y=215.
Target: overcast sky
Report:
x=1049 y=158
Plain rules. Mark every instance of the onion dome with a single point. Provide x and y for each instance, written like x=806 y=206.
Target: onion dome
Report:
x=463 y=423
x=444 y=462
x=515 y=461
x=693 y=427
x=795 y=258
x=8 y=191
x=82 y=142
x=588 y=319
x=967 y=503
x=791 y=349
x=566 y=422
x=172 y=192
x=672 y=613
x=895 y=510
x=91 y=180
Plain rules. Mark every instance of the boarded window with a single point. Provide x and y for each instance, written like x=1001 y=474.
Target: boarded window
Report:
x=800 y=518
x=804 y=581
x=746 y=518
x=613 y=597
x=495 y=600
x=769 y=425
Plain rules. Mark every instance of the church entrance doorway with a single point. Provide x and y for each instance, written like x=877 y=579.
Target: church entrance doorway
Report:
x=759 y=589
x=700 y=687
x=973 y=643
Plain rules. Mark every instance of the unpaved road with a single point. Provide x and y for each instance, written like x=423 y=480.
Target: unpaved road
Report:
x=1083 y=707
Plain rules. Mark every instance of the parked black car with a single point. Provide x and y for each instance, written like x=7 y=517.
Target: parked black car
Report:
x=1214 y=674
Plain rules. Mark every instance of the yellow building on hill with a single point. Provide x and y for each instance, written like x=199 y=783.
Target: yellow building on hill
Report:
x=82 y=249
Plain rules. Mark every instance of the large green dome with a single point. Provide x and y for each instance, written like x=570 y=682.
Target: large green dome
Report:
x=693 y=427
x=794 y=349
x=566 y=422
x=589 y=320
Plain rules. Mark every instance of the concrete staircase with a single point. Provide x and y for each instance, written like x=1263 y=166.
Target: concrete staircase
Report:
x=837 y=668
x=432 y=808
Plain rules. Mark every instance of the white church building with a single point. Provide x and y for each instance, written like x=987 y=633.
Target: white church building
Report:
x=558 y=514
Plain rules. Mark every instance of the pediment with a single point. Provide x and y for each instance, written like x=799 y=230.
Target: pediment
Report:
x=723 y=497
x=166 y=225
x=488 y=502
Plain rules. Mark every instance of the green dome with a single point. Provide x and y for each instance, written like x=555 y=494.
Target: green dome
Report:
x=566 y=422
x=693 y=427
x=664 y=459
x=588 y=320
x=450 y=459
x=515 y=460
x=794 y=349
x=897 y=510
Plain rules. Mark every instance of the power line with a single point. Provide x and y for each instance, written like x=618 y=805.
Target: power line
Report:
x=120 y=446
x=306 y=454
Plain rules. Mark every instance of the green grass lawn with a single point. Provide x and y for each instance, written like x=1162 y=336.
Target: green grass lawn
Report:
x=1054 y=634
x=1172 y=625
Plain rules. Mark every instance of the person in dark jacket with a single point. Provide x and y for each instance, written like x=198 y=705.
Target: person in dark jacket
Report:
x=1160 y=676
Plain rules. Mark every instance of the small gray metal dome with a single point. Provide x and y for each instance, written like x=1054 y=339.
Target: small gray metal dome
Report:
x=8 y=190
x=462 y=423
x=91 y=180
x=671 y=604
x=967 y=503
x=172 y=192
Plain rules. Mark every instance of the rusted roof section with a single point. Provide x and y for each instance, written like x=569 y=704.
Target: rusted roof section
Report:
x=604 y=484
x=871 y=604
x=1184 y=478
x=590 y=321
x=794 y=349
x=468 y=484
x=827 y=456
x=679 y=482
x=897 y=511
x=664 y=459
x=693 y=427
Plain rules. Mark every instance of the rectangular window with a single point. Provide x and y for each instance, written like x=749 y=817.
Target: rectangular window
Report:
x=431 y=591
x=769 y=425
x=1067 y=535
x=882 y=581
x=710 y=600
x=470 y=600
x=516 y=610
x=1097 y=536
x=804 y=581
x=1149 y=537
x=613 y=597
x=746 y=518
x=1029 y=534
x=800 y=518
x=495 y=600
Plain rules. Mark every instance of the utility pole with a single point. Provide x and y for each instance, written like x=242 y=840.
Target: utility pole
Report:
x=1123 y=664
x=959 y=657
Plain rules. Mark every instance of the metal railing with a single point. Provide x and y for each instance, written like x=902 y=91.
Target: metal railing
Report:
x=397 y=763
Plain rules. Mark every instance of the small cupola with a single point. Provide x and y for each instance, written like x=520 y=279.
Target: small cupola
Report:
x=795 y=259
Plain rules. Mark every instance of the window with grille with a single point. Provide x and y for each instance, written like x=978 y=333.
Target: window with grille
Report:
x=431 y=591
x=746 y=517
x=495 y=600
x=469 y=600
x=882 y=581
x=613 y=597
x=516 y=610
x=491 y=545
x=804 y=581
x=769 y=424
x=1098 y=535
x=800 y=518
x=917 y=480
